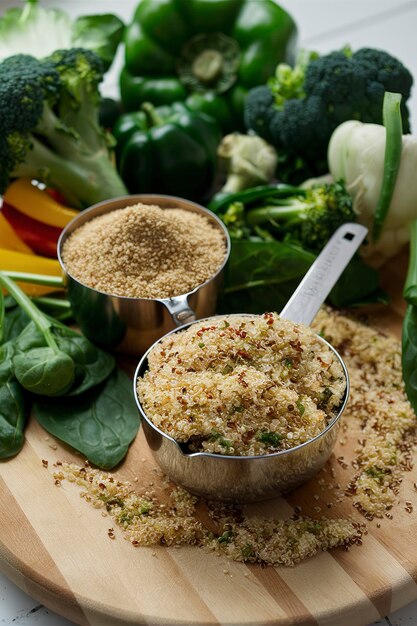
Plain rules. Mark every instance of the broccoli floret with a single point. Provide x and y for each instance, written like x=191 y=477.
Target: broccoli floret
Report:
x=310 y=217
x=81 y=72
x=259 y=110
x=384 y=73
x=310 y=101
x=337 y=80
x=289 y=82
x=49 y=126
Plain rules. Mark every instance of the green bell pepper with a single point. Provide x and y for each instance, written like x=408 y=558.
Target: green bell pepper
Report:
x=168 y=149
x=217 y=49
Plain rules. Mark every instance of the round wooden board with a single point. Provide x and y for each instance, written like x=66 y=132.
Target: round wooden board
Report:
x=56 y=547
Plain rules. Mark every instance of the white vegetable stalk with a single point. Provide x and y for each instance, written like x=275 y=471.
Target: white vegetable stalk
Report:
x=248 y=161
x=356 y=154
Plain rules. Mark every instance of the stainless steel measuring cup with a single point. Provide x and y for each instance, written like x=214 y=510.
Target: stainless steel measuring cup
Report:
x=252 y=478
x=131 y=325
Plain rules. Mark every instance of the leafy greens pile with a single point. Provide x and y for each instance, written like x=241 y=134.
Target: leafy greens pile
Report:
x=276 y=233
x=77 y=393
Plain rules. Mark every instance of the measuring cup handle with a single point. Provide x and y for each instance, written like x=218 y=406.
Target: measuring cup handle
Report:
x=180 y=310
x=316 y=285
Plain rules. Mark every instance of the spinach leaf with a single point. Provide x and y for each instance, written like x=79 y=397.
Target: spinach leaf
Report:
x=44 y=371
x=409 y=330
x=262 y=275
x=409 y=354
x=264 y=263
x=92 y=365
x=100 y=424
x=14 y=322
x=258 y=299
x=359 y=284
x=13 y=410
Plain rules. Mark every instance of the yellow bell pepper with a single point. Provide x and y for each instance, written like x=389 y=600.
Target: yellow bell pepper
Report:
x=10 y=240
x=37 y=204
x=11 y=260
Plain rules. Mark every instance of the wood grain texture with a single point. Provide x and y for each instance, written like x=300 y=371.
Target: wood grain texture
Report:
x=55 y=546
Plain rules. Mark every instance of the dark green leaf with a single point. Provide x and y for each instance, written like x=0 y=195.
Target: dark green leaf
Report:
x=92 y=365
x=13 y=411
x=15 y=321
x=100 y=424
x=100 y=33
x=258 y=299
x=2 y=315
x=264 y=263
x=7 y=351
x=9 y=303
x=93 y=373
x=262 y=275
x=358 y=284
x=410 y=294
x=44 y=371
x=409 y=355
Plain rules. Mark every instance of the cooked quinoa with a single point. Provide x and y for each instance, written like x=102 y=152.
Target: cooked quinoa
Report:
x=242 y=385
x=143 y=251
x=146 y=521
x=378 y=402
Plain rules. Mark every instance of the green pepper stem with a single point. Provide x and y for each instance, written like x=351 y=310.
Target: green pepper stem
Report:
x=392 y=158
x=25 y=303
x=36 y=279
x=410 y=286
x=208 y=65
x=152 y=117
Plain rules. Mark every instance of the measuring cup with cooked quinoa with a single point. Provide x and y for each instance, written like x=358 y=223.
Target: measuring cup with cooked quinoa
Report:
x=241 y=407
x=242 y=385
x=139 y=265
x=246 y=407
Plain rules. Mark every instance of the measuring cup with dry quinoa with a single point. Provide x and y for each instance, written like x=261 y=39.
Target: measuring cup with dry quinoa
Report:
x=242 y=385
x=144 y=251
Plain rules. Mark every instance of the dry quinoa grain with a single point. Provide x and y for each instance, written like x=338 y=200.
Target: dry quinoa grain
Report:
x=143 y=251
x=242 y=385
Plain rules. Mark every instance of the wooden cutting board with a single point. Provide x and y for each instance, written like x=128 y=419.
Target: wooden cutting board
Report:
x=56 y=547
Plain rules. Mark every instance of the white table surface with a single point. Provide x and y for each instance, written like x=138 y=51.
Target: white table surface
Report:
x=324 y=25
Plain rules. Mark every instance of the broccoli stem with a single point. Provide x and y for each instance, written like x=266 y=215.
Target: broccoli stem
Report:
x=83 y=178
x=392 y=158
x=234 y=183
x=292 y=210
x=84 y=174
